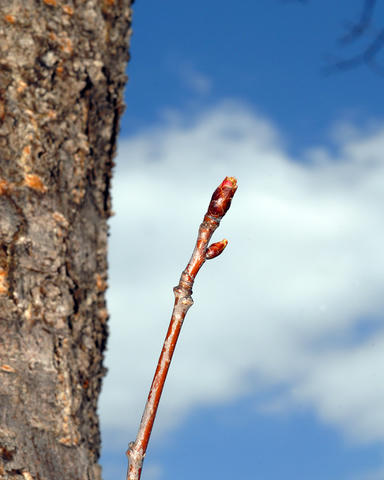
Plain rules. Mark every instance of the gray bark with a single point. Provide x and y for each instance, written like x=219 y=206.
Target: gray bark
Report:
x=62 y=74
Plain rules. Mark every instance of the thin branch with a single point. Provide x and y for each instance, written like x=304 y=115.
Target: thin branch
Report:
x=362 y=25
x=355 y=31
x=368 y=56
x=219 y=205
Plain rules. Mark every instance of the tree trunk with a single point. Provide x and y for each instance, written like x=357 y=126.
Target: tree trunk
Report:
x=62 y=74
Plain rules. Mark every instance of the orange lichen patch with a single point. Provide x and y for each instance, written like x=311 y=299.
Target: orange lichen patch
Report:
x=71 y=438
x=2 y=109
x=28 y=312
x=3 y=186
x=101 y=284
x=59 y=70
x=60 y=219
x=66 y=441
x=35 y=182
x=68 y=9
x=66 y=46
x=27 y=150
x=27 y=475
x=33 y=121
x=3 y=282
x=7 y=368
x=77 y=194
x=85 y=112
x=9 y=18
x=21 y=86
x=25 y=156
x=51 y=114
x=103 y=315
x=50 y=2
x=52 y=36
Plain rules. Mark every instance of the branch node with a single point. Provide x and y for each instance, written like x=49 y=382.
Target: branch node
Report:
x=187 y=301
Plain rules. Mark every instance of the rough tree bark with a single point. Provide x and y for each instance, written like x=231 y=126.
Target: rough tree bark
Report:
x=62 y=74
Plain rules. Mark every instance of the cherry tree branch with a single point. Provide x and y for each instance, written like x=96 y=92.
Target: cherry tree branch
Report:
x=218 y=206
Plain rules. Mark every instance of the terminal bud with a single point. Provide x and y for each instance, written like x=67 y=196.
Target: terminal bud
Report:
x=221 y=198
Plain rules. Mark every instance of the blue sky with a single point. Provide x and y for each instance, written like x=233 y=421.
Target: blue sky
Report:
x=281 y=357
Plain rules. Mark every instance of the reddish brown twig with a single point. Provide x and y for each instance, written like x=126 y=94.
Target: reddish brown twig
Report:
x=218 y=206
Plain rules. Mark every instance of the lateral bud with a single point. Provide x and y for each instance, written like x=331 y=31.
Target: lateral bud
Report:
x=215 y=249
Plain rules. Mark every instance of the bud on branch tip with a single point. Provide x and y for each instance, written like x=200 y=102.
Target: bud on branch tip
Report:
x=221 y=198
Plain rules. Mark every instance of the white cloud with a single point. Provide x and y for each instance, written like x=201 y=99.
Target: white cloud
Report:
x=284 y=304
x=371 y=475
x=195 y=80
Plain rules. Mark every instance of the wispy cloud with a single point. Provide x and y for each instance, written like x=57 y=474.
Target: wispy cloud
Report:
x=372 y=475
x=195 y=80
x=297 y=298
